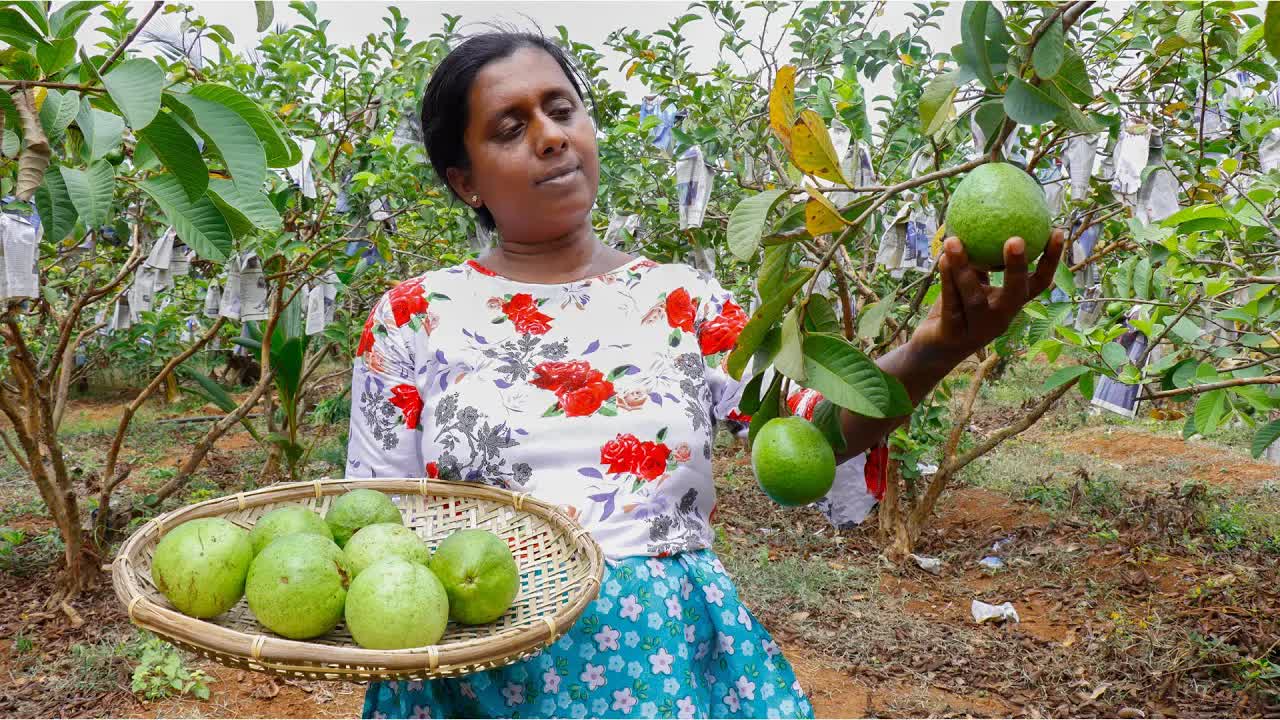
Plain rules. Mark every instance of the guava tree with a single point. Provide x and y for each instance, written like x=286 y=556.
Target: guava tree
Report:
x=1021 y=87
x=367 y=212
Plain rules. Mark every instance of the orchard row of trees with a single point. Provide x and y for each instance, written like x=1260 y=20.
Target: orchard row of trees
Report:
x=296 y=192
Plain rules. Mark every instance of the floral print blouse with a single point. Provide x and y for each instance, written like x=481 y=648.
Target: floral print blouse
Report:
x=599 y=395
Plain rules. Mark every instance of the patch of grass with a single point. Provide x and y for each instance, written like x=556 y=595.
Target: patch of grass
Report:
x=23 y=644
x=23 y=507
x=332 y=452
x=1238 y=523
x=790 y=581
x=1019 y=383
x=331 y=411
x=1057 y=481
x=97 y=667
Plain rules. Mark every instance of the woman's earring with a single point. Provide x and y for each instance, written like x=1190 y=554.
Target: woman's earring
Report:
x=475 y=199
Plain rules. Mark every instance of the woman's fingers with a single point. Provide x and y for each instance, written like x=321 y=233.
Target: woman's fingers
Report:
x=1013 y=293
x=965 y=276
x=1048 y=264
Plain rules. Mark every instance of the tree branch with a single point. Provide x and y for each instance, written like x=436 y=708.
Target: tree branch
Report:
x=1207 y=387
x=155 y=8
x=999 y=436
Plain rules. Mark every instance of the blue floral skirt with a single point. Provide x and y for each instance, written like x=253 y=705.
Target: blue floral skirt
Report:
x=667 y=637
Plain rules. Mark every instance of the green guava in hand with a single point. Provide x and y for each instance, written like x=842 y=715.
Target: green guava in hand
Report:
x=297 y=585
x=993 y=203
x=396 y=604
x=200 y=566
x=358 y=508
x=286 y=521
x=793 y=461
x=372 y=543
x=480 y=574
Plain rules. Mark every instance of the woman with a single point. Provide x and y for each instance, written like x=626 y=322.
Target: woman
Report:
x=557 y=366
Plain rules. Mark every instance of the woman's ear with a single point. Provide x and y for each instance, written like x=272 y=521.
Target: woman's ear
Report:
x=460 y=181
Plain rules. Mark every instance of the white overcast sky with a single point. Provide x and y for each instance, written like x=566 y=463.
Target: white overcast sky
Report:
x=588 y=21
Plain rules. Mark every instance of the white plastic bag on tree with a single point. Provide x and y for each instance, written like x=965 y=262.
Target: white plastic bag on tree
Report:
x=1054 y=183
x=622 y=228
x=1012 y=149
x=161 y=255
x=1269 y=151
x=19 y=251
x=180 y=265
x=922 y=225
x=1115 y=396
x=1090 y=308
x=893 y=243
x=1081 y=156
x=212 y=300
x=315 y=309
x=703 y=258
x=121 y=315
x=322 y=297
x=302 y=173
x=253 y=290
x=142 y=293
x=693 y=186
x=1129 y=159
x=1158 y=198
x=408 y=130
x=229 y=303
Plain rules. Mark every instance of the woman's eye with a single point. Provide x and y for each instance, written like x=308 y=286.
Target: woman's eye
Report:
x=508 y=132
x=562 y=113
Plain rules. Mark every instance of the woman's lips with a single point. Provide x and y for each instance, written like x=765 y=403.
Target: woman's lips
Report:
x=560 y=177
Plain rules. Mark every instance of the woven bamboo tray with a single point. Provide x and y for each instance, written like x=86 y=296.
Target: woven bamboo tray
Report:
x=561 y=568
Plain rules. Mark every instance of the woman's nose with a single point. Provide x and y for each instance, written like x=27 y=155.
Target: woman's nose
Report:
x=551 y=139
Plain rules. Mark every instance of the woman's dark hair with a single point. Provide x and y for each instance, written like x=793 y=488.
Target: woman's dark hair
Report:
x=444 y=103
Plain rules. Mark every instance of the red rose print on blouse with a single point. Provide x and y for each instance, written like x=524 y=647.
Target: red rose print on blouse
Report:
x=366 y=338
x=653 y=461
x=626 y=454
x=619 y=454
x=721 y=332
x=580 y=390
x=433 y=470
x=523 y=313
x=407 y=300
x=680 y=310
x=406 y=398
x=481 y=269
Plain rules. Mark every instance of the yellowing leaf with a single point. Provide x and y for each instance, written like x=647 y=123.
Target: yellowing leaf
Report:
x=811 y=148
x=632 y=70
x=37 y=97
x=1172 y=108
x=347 y=147
x=649 y=55
x=820 y=215
x=907 y=59
x=782 y=104
x=286 y=108
x=935 y=243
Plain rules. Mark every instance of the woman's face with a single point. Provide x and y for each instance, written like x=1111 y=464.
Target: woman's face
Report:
x=532 y=149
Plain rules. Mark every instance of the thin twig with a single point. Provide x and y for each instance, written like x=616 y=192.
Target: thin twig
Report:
x=155 y=8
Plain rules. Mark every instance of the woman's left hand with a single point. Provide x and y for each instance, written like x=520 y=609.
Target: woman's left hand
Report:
x=971 y=312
